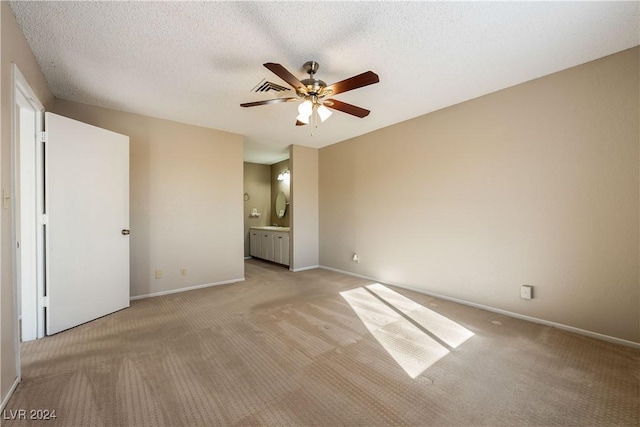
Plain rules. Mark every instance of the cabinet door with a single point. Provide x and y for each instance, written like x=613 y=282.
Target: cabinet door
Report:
x=266 y=245
x=277 y=247
x=254 y=243
x=281 y=248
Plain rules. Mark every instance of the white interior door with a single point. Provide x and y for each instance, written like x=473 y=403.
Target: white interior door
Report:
x=87 y=205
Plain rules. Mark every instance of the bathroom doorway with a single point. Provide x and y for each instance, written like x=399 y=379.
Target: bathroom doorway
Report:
x=267 y=196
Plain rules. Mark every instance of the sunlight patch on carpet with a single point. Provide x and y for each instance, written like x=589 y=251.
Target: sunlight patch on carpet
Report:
x=442 y=327
x=390 y=318
x=410 y=347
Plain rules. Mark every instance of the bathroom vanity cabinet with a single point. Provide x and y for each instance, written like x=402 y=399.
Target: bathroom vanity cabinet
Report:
x=270 y=243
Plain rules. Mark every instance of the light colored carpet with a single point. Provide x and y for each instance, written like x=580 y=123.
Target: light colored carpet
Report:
x=286 y=348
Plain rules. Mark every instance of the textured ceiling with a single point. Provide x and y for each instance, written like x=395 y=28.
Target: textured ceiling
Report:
x=195 y=62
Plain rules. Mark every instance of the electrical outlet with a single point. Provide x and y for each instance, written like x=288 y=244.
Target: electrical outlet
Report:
x=526 y=292
x=355 y=258
x=158 y=274
x=183 y=271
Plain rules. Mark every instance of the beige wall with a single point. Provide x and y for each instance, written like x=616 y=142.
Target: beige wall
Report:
x=537 y=184
x=13 y=49
x=277 y=186
x=257 y=184
x=304 y=207
x=186 y=199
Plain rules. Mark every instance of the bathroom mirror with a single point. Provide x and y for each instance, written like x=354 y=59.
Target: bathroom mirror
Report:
x=281 y=204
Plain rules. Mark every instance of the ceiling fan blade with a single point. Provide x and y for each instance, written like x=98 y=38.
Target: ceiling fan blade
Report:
x=299 y=123
x=365 y=79
x=285 y=75
x=346 y=108
x=267 y=102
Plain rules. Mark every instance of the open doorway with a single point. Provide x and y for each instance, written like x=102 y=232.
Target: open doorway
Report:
x=267 y=198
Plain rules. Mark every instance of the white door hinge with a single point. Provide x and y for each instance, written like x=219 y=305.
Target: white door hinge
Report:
x=5 y=199
x=43 y=136
x=44 y=219
x=44 y=302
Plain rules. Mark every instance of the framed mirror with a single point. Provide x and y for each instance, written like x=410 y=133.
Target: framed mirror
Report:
x=281 y=204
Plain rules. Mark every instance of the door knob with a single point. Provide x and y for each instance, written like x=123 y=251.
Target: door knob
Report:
x=126 y=232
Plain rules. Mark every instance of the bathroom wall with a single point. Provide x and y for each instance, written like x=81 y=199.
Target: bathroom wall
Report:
x=277 y=186
x=257 y=187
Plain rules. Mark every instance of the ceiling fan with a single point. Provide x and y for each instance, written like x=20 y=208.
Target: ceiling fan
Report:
x=315 y=93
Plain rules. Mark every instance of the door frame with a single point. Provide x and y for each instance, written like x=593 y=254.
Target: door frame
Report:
x=35 y=290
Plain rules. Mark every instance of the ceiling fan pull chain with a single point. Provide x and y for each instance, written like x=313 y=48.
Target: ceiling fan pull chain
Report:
x=315 y=121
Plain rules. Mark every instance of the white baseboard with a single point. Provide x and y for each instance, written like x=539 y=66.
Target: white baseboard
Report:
x=190 y=288
x=305 y=268
x=9 y=393
x=585 y=332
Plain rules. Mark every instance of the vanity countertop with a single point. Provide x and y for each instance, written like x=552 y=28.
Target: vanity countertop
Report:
x=271 y=228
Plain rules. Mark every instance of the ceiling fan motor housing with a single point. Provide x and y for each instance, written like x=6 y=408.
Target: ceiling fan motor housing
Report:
x=314 y=86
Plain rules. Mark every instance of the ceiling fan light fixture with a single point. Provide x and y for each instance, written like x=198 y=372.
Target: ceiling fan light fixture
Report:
x=305 y=108
x=303 y=119
x=324 y=113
